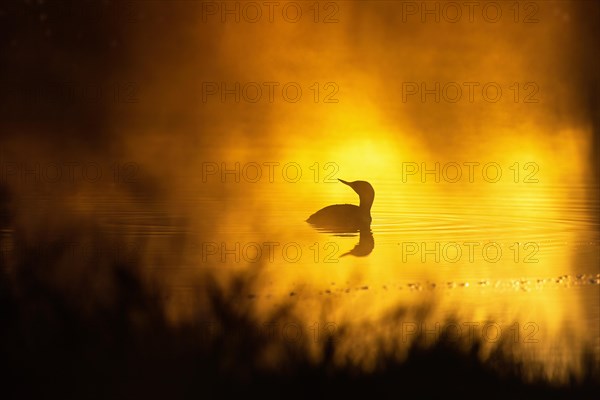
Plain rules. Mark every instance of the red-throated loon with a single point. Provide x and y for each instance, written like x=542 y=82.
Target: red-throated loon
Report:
x=347 y=216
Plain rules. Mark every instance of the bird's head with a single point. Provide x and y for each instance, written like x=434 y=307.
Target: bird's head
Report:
x=365 y=192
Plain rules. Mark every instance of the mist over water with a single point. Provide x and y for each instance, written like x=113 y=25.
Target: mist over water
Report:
x=189 y=149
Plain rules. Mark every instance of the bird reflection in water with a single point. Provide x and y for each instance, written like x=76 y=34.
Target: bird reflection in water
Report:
x=344 y=219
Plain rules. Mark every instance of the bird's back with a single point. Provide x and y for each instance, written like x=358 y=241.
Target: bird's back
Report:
x=340 y=216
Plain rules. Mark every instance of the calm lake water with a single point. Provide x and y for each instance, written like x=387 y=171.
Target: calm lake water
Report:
x=489 y=261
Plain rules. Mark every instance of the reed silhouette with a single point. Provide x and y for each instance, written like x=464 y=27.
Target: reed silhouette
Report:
x=57 y=340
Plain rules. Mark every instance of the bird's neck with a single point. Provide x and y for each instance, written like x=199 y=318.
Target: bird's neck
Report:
x=365 y=205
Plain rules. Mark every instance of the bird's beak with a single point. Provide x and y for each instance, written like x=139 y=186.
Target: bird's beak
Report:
x=344 y=182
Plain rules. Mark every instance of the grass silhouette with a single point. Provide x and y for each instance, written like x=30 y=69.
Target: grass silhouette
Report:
x=63 y=335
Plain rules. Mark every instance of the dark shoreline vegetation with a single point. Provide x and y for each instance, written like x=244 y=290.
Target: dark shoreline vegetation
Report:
x=84 y=339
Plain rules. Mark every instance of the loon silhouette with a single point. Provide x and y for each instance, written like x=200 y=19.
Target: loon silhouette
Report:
x=347 y=217
x=365 y=245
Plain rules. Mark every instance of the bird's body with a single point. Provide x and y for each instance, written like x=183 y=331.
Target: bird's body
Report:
x=347 y=217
